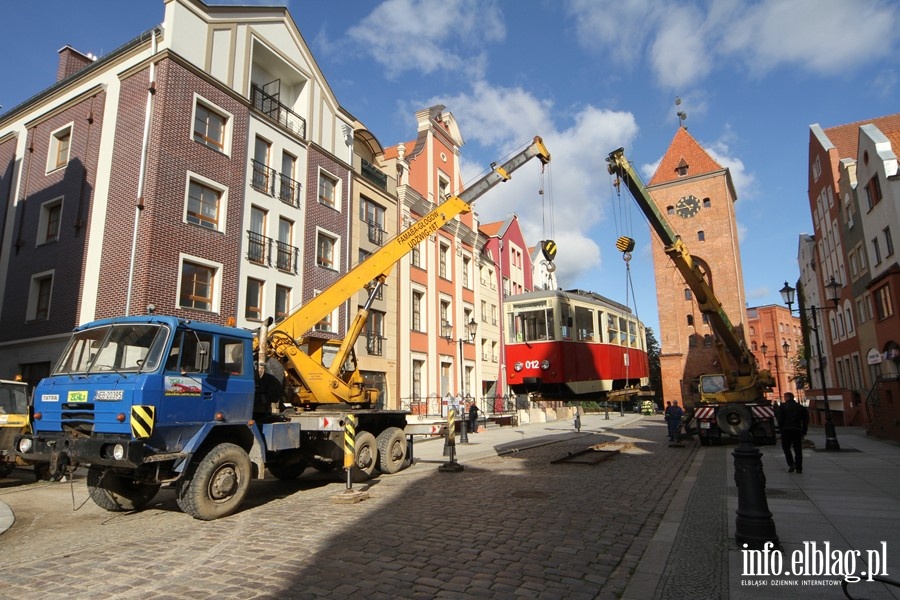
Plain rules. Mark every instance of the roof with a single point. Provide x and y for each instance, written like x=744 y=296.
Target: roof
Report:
x=846 y=137
x=683 y=151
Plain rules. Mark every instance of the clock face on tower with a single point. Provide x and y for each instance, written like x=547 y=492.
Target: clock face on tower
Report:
x=688 y=206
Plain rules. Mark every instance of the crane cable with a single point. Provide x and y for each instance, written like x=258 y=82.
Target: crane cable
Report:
x=548 y=245
x=625 y=239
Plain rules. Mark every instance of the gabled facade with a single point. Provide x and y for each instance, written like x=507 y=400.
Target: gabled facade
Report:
x=190 y=172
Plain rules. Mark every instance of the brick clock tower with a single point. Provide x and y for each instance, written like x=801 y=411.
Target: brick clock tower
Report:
x=697 y=197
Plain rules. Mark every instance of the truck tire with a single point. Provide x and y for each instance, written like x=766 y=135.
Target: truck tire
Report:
x=291 y=466
x=117 y=493
x=215 y=486
x=391 y=450
x=365 y=459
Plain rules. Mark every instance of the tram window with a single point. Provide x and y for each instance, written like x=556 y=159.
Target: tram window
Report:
x=532 y=325
x=568 y=321
x=611 y=329
x=584 y=324
x=632 y=334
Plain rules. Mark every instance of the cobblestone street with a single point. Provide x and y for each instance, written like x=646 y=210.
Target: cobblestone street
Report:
x=507 y=526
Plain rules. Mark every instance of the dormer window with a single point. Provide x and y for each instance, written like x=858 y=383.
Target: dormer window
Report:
x=682 y=168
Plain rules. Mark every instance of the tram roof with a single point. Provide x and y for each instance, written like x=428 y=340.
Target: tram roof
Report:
x=570 y=295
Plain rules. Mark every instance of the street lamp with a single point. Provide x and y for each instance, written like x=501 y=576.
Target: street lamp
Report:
x=833 y=290
x=471 y=328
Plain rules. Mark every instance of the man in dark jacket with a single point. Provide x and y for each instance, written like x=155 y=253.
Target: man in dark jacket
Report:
x=793 y=420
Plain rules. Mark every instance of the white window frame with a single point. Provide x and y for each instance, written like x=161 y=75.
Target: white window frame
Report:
x=337 y=189
x=217 y=281
x=332 y=318
x=336 y=261
x=53 y=148
x=44 y=220
x=227 y=132
x=33 y=291
x=223 y=200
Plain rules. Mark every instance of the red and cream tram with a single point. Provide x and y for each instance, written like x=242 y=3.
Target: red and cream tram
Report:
x=572 y=345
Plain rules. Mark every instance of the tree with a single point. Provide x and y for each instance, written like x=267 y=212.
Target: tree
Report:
x=653 y=351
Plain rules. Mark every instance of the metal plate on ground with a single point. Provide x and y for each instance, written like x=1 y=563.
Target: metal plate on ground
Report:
x=594 y=454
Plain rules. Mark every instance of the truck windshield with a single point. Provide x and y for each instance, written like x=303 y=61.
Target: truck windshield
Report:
x=123 y=347
x=13 y=399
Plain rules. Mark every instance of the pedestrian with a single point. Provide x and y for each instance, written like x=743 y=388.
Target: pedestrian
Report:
x=473 y=417
x=673 y=416
x=793 y=421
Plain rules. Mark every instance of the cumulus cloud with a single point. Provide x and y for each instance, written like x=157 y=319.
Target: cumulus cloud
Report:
x=429 y=35
x=576 y=184
x=683 y=41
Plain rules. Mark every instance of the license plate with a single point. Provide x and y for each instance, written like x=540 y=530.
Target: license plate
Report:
x=704 y=425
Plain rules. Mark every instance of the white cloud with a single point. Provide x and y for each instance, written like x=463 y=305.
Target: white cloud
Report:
x=684 y=41
x=429 y=35
x=576 y=184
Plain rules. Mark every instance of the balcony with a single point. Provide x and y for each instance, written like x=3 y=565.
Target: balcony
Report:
x=374 y=344
x=259 y=252
x=286 y=257
x=374 y=175
x=263 y=179
x=376 y=233
x=276 y=111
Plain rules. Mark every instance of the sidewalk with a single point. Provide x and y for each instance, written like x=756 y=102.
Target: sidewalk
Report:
x=843 y=510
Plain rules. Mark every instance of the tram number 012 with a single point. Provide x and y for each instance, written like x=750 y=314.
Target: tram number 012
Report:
x=532 y=364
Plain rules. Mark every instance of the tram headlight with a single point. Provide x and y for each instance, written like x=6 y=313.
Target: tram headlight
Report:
x=518 y=366
x=545 y=364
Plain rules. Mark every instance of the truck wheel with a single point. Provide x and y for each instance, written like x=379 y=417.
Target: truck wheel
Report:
x=291 y=466
x=365 y=458
x=391 y=450
x=117 y=493
x=215 y=486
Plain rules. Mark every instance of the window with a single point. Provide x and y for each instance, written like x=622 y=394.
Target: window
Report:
x=701 y=236
x=884 y=306
x=263 y=178
x=374 y=332
x=231 y=356
x=707 y=203
x=707 y=341
x=203 y=205
x=670 y=210
x=371 y=212
x=60 y=144
x=417 y=299
x=888 y=241
x=417 y=368
x=416 y=257
x=48 y=226
x=326 y=250
x=326 y=324
x=209 y=127
x=197 y=286
x=442 y=261
x=687 y=294
x=256 y=242
x=327 y=190
x=282 y=301
x=39 y=294
x=873 y=192
x=690 y=320
x=484 y=315
x=285 y=257
x=253 y=310
x=860 y=310
x=466 y=269
x=443 y=189
x=289 y=189
x=445 y=316
x=876 y=250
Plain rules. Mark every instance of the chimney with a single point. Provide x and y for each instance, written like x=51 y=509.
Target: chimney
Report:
x=71 y=61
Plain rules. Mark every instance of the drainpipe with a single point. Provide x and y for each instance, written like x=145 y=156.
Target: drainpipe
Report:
x=142 y=171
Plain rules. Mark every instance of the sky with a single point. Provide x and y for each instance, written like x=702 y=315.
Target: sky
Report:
x=588 y=76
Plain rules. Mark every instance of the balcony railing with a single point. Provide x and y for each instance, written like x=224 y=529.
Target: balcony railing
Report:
x=264 y=178
x=374 y=344
x=375 y=175
x=376 y=233
x=289 y=190
x=278 y=112
x=286 y=257
x=257 y=247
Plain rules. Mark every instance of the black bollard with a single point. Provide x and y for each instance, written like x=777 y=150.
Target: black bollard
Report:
x=463 y=435
x=754 y=525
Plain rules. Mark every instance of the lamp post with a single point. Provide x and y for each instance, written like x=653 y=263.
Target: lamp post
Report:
x=833 y=292
x=471 y=328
